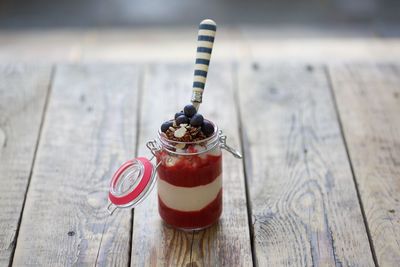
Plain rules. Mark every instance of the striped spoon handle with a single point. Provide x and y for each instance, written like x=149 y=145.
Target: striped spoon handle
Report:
x=205 y=42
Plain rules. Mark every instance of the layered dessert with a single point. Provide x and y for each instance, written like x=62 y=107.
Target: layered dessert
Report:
x=189 y=171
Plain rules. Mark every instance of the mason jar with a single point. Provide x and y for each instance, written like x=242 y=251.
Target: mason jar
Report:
x=189 y=184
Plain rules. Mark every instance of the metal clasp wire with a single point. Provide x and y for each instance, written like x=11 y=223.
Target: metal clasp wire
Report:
x=112 y=210
x=153 y=146
x=234 y=152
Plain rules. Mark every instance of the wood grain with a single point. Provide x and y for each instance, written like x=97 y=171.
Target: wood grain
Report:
x=368 y=99
x=305 y=209
x=88 y=131
x=167 y=89
x=228 y=243
x=23 y=92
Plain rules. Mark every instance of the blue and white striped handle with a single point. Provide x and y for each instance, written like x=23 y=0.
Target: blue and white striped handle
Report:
x=205 y=42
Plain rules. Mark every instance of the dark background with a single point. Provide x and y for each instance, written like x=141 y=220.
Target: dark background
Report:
x=377 y=14
x=165 y=30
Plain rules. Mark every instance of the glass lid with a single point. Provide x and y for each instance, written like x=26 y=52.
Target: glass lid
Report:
x=132 y=182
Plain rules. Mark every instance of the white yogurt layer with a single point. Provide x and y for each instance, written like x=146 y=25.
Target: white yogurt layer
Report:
x=188 y=198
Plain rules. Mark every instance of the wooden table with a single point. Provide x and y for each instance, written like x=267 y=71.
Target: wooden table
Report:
x=319 y=183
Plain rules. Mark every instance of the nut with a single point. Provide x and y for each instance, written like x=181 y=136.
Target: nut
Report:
x=180 y=132
x=180 y=146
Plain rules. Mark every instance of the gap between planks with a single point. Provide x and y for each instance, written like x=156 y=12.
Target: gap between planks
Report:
x=235 y=83
x=98 y=99
x=335 y=103
x=368 y=103
x=23 y=89
x=301 y=205
x=42 y=119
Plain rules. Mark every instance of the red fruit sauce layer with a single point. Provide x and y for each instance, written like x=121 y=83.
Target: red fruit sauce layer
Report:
x=192 y=219
x=190 y=171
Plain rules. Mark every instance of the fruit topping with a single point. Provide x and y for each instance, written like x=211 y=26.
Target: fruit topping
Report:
x=188 y=126
x=207 y=128
x=165 y=126
x=180 y=113
x=189 y=110
x=196 y=120
x=182 y=119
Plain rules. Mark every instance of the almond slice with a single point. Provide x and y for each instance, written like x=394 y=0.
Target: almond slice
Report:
x=180 y=146
x=180 y=132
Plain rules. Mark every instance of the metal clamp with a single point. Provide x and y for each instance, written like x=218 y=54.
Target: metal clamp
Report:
x=111 y=211
x=223 y=145
x=153 y=146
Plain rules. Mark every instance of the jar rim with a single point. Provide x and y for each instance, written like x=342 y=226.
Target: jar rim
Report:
x=171 y=144
x=215 y=134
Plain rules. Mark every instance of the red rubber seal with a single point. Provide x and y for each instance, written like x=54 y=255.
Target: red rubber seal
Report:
x=131 y=196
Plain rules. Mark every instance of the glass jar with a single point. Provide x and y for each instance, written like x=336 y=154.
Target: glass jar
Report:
x=189 y=184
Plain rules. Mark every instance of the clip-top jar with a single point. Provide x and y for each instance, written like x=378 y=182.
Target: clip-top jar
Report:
x=190 y=180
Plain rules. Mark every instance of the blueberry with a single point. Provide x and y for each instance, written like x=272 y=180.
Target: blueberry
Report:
x=189 y=110
x=165 y=126
x=196 y=120
x=182 y=119
x=207 y=128
x=179 y=114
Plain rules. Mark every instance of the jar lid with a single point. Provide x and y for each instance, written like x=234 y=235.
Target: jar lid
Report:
x=132 y=182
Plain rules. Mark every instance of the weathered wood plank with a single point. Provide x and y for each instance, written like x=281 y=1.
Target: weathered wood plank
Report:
x=368 y=100
x=89 y=129
x=167 y=90
x=227 y=244
x=305 y=209
x=23 y=91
